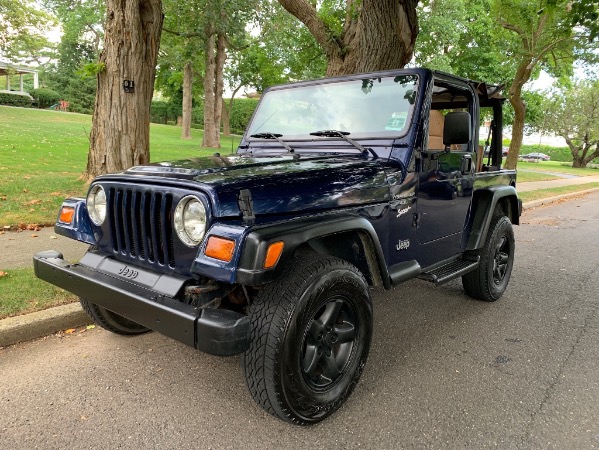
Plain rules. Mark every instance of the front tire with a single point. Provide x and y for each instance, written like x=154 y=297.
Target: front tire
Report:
x=309 y=341
x=489 y=280
x=111 y=321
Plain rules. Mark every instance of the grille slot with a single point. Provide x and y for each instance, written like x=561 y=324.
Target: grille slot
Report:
x=140 y=225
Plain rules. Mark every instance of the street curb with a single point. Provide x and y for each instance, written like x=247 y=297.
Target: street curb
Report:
x=41 y=323
x=549 y=200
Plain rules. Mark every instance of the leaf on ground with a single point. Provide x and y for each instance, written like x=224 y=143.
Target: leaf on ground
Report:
x=34 y=235
x=2 y=197
x=53 y=237
x=90 y=327
x=27 y=177
x=33 y=227
x=25 y=191
x=69 y=331
x=3 y=274
x=37 y=201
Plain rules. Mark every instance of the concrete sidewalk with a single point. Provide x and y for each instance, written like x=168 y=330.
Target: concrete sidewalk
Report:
x=17 y=250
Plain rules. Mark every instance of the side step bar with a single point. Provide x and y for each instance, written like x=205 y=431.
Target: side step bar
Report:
x=451 y=270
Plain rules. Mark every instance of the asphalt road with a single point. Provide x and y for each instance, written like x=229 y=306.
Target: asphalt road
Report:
x=444 y=371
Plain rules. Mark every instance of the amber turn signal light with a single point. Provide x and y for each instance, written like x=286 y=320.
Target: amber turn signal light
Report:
x=66 y=214
x=273 y=253
x=220 y=248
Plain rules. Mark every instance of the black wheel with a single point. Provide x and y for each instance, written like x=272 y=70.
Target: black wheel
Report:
x=489 y=281
x=310 y=336
x=111 y=321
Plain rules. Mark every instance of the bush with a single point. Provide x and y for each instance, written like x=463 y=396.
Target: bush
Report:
x=243 y=108
x=45 y=97
x=15 y=99
x=164 y=112
x=556 y=153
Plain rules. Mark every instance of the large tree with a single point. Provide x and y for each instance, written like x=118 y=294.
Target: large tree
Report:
x=82 y=24
x=543 y=35
x=22 y=30
x=121 y=122
x=573 y=113
x=360 y=35
x=215 y=25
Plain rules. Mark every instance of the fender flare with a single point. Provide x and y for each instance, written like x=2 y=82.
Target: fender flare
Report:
x=250 y=269
x=483 y=206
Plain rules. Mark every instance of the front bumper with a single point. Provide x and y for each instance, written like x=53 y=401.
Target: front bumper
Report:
x=215 y=331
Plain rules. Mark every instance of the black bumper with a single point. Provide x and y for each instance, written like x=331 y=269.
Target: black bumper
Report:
x=215 y=331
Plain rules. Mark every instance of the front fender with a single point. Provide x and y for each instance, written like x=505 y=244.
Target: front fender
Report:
x=80 y=228
x=250 y=270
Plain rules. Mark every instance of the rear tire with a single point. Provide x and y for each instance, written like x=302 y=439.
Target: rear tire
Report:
x=490 y=279
x=310 y=336
x=111 y=321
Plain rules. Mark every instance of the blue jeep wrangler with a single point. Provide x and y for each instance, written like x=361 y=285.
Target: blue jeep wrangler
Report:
x=338 y=185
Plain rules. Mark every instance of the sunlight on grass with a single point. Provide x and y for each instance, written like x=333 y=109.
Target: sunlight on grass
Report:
x=43 y=154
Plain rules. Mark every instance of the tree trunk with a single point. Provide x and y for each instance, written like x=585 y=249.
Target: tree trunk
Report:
x=221 y=56
x=187 y=101
x=226 y=119
x=580 y=154
x=377 y=34
x=213 y=89
x=120 y=135
x=209 y=98
x=515 y=96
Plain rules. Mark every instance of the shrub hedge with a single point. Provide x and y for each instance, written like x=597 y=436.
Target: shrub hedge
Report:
x=45 y=97
x=15 y=99
x=166 y=112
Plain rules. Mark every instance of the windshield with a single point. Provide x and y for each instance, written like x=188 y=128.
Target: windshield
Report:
x=370 y=107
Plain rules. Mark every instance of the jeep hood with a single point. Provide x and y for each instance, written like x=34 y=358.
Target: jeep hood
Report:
x=278 y=183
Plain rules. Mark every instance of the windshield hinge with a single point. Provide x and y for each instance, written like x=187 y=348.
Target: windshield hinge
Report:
x=246 y=205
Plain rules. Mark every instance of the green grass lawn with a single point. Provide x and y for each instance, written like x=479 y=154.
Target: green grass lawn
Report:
x=535 y=176
x=552 y=192
x=43 y=154
x=555 y=166
x=21 y=292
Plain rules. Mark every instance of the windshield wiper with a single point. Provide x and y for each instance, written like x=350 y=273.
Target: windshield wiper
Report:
x=268 y=135
x=343 y=135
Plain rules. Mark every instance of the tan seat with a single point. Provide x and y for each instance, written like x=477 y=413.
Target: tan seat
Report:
x=435 y=130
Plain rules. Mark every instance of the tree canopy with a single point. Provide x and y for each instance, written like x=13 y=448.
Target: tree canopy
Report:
x=572 y=112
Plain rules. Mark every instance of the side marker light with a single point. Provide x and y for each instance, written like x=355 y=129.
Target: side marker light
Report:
x=273 y=253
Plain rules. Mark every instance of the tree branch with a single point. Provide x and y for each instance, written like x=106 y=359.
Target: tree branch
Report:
x=307 y=14
x=185 y=35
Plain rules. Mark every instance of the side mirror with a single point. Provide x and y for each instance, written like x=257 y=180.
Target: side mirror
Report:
x=457 y=128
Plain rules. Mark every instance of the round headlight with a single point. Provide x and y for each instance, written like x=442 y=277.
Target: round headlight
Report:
x=190 y=220
x=96 y=204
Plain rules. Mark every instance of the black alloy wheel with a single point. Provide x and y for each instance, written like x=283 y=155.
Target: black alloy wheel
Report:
x=328 y=343
x=310 y=335
x=501 y=259
x=490 y=279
